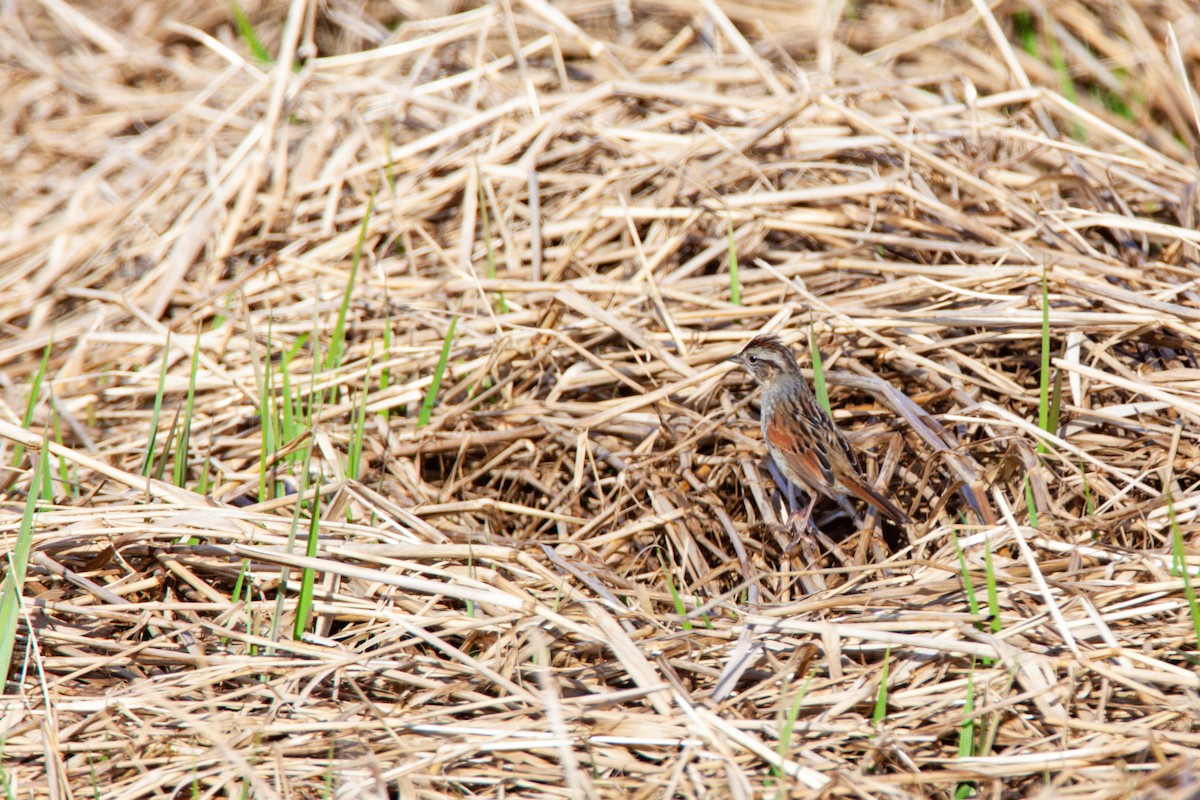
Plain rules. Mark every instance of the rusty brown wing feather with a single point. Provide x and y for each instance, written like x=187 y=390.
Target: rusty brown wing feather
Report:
x=800 y=458
x=816 y=450
x=845 y=466
x=794 y=434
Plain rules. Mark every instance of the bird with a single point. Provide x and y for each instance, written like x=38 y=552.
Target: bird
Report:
x=802 y=439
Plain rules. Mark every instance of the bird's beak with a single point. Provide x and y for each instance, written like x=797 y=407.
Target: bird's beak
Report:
x=737 y=359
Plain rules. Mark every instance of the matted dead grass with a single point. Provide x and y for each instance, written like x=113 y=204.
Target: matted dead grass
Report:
x=573 y=582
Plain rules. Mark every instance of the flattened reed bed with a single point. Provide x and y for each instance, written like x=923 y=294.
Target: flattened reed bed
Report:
x=573 y=580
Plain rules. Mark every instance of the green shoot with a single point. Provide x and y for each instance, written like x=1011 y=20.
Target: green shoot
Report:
x=1047 y=421
x=148 y=462
x=1044 y=387
x=1115 y=103
x=680 y=608
x=330 y=769
x=95 y=785
x=1089 y=505
x=789 y=724
x=880 y=712
x=246 y=30
x=304 y=602
x=471 y=603
x=179 y=473
x=992 y=593
x=160 y=466
x=248 y=597
x=1030 y=504
x=202 y=486
x=238 y=582
x=289 y=405
x=35 y=391
x=966 y=735
x=968 y=584
x=1059 y=65
x=1180 y=564
x=47 y=478
x=64 y=469
x=819 y=387
x=1055 y=402
x=284 y=572
x=1027 y=33
x=7 y=788
x=735 y=284
x=337 y=344
x=18 y=562
x=185 y=432
x=294 y=412
x=389 y=169
x=501 y=303
x=357 y=424
x=269 y=441
x=385 y=374
x=434 y=385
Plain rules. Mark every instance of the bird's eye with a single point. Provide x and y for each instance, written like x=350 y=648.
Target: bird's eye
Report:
x=752 y=359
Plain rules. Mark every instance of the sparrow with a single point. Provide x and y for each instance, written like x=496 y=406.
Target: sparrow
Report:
x=804 y=442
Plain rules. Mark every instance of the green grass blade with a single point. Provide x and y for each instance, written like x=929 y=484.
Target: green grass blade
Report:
x=680 y=607
x=385 y=374
x=246 y=30
x=148 y=462
x=880 y=712
x=1030 y=503
x=304 y=602
x=184 y=445
x=1089 y=505
x=269 y=440
x=389 y=169
x=288 y=418
x=735 y=283
x=993 y=593
x=789 y=724
x=294 y=408
x=1045 y=420
x=337 y=344
x=160 y=466
x=431 y=393
x=64 y=466
x=1181 y=565
x=1055 y=401
x=501 y=303
x=35 y=392
x=966 y=732
x=968 y=584
x=819 y=387
x=18 y=562
x=967 y=736
x=1065 y=81
x=1044 y=381
x=281 y=590
x=357 y=425
x=202 y=485
x=1026 y=33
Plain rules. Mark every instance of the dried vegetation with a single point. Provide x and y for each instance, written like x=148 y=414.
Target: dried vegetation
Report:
x=573 y=580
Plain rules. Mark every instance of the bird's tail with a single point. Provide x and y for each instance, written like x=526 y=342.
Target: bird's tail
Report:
x=886 y=507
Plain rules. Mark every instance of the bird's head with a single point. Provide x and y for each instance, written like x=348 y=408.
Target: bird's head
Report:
x=766 y=357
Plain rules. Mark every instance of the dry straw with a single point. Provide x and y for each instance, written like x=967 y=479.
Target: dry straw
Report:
x=572 y=581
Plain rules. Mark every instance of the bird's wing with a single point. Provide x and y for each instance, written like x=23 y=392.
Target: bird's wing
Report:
x=802 y=455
